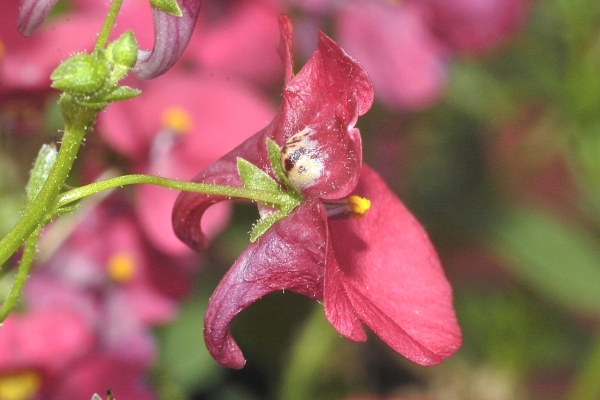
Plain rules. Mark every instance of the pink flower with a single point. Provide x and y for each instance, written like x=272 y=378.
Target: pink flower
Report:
x=37 y=346
x=475 y=26
x=380 y=270
x=182 y=121
x=26 y=63
x=216 y=44
x=405 y=61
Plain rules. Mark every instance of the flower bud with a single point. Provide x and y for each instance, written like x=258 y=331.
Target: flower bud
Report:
x=81 y=74
x=123 y=51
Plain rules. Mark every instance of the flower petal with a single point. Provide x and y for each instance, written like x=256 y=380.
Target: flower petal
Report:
x=327 y=96
x=171 y=36
x=289 y=256
x=393 y=277
x=32 y=13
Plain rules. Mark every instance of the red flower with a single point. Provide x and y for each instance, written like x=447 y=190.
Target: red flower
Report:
x=380 y=270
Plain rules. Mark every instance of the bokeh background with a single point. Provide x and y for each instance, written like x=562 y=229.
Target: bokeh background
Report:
x=486 y=124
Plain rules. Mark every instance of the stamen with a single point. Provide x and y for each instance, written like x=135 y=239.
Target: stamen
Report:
x=21 y=385
x=177 y=120
x=2 y=49
x=121 y=267
x=354 y=206
x=358 y=206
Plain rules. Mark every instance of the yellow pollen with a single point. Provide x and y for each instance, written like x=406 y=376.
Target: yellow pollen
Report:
x=121 y=267
x=19 y=386
x=358 y=206
x=177 y=120
x=2 y=49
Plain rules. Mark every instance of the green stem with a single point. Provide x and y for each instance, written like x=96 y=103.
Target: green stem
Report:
x=77 y=121
x=22 y=274
x=228 y=191
x=587 y=385
x=109 y=23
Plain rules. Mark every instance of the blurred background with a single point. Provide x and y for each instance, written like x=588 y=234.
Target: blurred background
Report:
x=486 y=124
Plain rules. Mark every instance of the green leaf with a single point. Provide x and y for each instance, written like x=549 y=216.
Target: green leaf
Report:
x=41 y=169
x=82 y=74
x=183 y=355
x=169 y=6
x=255 y=178
x=559 y=260
x=274 y=152
x=263 y=224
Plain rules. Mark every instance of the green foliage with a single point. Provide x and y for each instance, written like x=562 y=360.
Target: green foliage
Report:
x=560 y=260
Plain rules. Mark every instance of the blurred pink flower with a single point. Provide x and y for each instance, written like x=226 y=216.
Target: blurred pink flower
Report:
x=38 y=346
x=216 y=44
x=171 y=33
x=98 y=372
x=26 y=63
x=182 y=121
x=475 y=26
x=380 y=270
x=404 y=60
x=104 y=261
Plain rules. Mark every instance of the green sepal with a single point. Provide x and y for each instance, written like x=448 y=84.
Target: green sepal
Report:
x=82 y=74
x=274 y=153
x=169 y=6
x=263 y=224
x=39 y=173
x=255 y=178
x=122 y=93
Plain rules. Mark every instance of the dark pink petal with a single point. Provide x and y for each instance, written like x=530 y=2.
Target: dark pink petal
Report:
x=392 y=277
x=32 y=13
x=339 y=311
x=171 y=36
x=327 y=96
x=289 y=256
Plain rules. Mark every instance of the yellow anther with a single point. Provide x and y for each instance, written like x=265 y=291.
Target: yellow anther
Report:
x=358 y=206
x=177 y=120
x=121 y=267
x=20 y=386
x=2 y=49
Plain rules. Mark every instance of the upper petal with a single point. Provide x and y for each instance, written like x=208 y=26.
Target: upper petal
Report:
x=326 y=96
x=171 y=36
x=393 y=278
x=288 y=256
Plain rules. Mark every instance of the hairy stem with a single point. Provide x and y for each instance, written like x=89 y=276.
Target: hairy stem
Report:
x=22 y=274
x=77 y=122
x=262 y=196
x=108 y=24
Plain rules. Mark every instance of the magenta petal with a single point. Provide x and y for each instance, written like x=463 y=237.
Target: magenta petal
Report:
x=171 y=36
x=327 y=95
x=32 y=13
x=393 y=277
x=339 y=311
x=190 y=207
x=289 y=256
